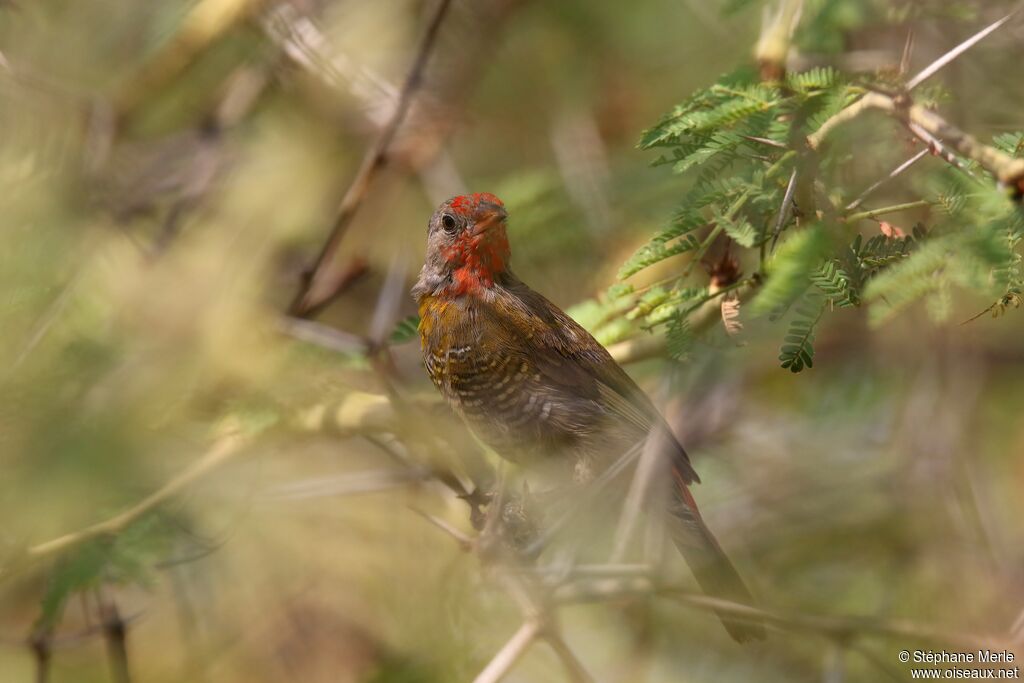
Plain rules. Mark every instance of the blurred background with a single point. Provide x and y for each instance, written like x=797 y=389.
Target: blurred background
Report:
x=170 y=172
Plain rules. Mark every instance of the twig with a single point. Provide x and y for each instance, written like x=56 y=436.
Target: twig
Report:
x=1017 y=629
x=223 y=449
x=945 y=59
x=643 y=476
x=908 y=52
x=875 y=213
x=63 y=642
x=389 y=299
x=558 y=575
x=511 y=653
x=357 y=483
x=892 y=174
x=833 y=627
x=304 y=303
x=41 y=644
x=322 y=335
x=708 y=313
x=535 y=603
x=765 y=141
x=304 y=43
x=929 y=126
x=850 y=112
x=573 y=666
x=464 y=541
x=578 y=506
x=936 y=147
x=834 y=667
x=115 y=634
x=787 y=202
x=773 y=47
x=47 y=319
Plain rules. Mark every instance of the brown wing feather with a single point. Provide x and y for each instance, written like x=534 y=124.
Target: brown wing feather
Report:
x=570 y=358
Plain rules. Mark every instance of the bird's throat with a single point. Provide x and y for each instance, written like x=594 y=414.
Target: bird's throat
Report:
x=470 y=280
x=479 y=260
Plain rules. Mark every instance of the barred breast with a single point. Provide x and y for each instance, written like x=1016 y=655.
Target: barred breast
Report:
x=494 y=386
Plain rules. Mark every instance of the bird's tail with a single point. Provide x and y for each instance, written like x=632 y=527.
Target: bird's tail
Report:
x=710 y=565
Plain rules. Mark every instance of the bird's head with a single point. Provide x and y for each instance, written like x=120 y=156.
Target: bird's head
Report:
x=467 y=246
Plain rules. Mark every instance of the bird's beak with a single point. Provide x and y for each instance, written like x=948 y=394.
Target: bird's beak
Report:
x=490 y=220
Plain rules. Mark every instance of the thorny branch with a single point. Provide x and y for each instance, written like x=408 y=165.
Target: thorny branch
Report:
x=930 y=127
x=308 y=301
x=1008 y=170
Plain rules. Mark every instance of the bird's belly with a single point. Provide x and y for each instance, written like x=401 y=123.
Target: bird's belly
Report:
x=503 y=400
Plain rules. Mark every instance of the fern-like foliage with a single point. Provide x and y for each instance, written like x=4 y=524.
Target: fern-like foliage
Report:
x=789 y=273
x=679 y=337
x=834 y=283
x=780 y=211
x=797 y=350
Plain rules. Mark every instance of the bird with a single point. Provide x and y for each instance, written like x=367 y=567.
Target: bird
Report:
x=533 y=384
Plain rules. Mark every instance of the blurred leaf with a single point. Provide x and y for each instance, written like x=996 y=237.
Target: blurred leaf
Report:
x=406 y=330
x=790 y=270
x=797 y=351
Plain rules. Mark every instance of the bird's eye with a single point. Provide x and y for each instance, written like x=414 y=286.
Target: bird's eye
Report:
x=449 y=223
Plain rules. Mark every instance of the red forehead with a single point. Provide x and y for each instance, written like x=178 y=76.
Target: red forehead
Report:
x=467 y=203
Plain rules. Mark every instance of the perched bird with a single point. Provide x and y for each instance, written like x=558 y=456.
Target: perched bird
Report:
x=532 y=383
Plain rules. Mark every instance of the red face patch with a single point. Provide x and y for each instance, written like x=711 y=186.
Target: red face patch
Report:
x=476 y=257
x=466 y=204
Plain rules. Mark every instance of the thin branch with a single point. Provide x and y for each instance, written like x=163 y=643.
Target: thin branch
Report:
x=787 y=202
x=963 y=47
x=875 y=213
x=581 y=504
x=644 y=474
x=389 y=298
x=845 y=115
x=306 y=302
x=115 y=631
x=573 y=666
x=777 y=33
x=464 y=541
x=707 y=314
x=931 y=127
x=765 y=141
x=41 y=644
x=302 y=41
x=840 y=628
x=222 y=450
x=1017 y=629
x=1005 y=168
x=48 y=318
x=357 y=483
x=936 y=147
x=892 y=174
x=558 y=575
x=908 y=52
x=511 y=653
x=534 y=601
x=322 y=335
